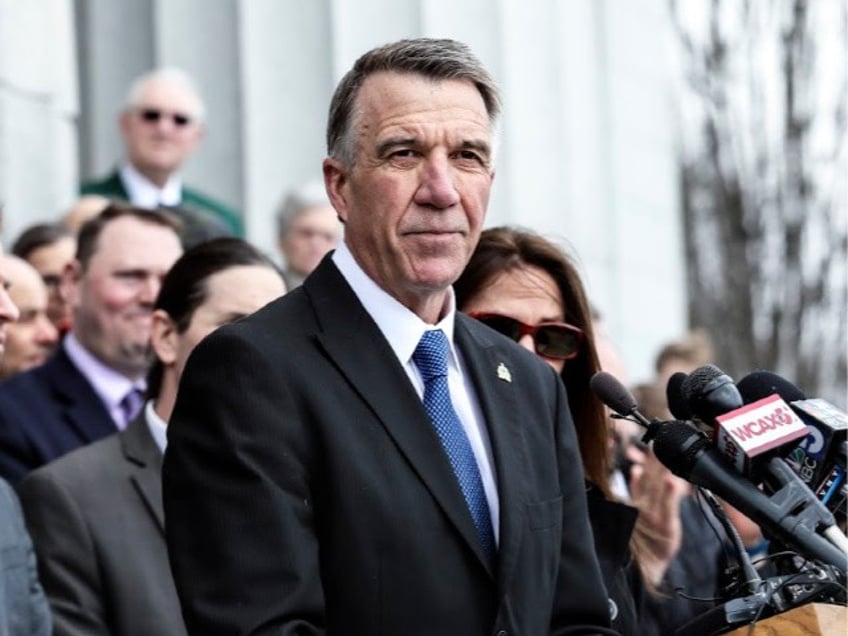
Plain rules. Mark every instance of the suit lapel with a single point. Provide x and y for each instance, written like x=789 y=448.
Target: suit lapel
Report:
x=144 y=461
x=81 y=407
x=489 y=367
x=353 y=342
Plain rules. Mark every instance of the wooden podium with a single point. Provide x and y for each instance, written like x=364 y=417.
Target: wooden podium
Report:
x=813 y=619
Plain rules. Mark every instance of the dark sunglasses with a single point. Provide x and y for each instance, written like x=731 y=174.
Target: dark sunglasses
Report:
x=555 y=340
x=153 y=115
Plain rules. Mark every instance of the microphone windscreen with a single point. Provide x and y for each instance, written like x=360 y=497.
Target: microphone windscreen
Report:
x=759 y=384
x=677 y=404
x=696 y=383
x=676 y=444
x=612 y=392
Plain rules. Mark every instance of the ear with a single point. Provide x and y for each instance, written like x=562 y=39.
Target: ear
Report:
x=335 y=181
x=70 y=283
x=124 y=123
x=164 y=338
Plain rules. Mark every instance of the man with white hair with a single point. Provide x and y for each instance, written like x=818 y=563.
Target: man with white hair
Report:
x=307 y=228
x=162 y=123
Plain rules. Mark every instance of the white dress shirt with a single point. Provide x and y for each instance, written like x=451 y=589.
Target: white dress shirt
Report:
x=145 y=194
x=156 y=425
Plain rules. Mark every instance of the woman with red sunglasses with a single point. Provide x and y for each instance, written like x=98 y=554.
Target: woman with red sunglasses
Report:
x=526 y=288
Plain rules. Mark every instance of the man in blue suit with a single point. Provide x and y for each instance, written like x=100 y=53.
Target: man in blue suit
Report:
x=23 y=608
x=93 y=385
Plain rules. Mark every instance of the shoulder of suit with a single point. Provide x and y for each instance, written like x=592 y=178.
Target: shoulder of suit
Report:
x=198 y=199
x=86 y=464
x=109 y=185
x=40 y=380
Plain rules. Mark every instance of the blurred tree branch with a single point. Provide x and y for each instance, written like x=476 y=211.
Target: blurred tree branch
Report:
x=764 y=173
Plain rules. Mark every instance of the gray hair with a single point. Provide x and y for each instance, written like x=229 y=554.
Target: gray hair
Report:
x=170 y=75
x=438 y=59
x=311 y=194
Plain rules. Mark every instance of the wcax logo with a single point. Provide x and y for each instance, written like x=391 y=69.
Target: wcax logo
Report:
x=756 y=428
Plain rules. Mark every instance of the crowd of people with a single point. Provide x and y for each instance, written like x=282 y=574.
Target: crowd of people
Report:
x=391 y=433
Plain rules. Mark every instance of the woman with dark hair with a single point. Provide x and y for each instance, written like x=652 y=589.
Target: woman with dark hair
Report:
x=526 y=288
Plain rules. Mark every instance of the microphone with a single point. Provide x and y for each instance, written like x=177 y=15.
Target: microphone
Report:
x=621 y=401
x=819 y=460
x=709 y=392
x=827 y=424
x=688 y=454
x=674 y=397
x=743 y=433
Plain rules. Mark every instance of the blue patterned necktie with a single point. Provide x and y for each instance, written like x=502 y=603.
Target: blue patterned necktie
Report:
x=431 y=358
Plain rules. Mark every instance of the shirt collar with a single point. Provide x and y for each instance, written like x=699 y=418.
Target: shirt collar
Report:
x=400 y=326
x=156 y=425
x=109 y=385
x=146 y=194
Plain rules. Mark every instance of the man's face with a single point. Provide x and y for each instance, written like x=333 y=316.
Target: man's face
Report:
x=311 y=235
x=232 y=293
x=50 y=262
x=112 y=300
x=415 y=200
x=8 y=311
x=30 y=339
x=162 y=129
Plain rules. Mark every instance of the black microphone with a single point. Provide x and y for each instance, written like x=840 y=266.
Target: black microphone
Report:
x=677 y=404
x=710 y=392
x=759 y=384
x=748 y=435
x=688 y=454
x=616 y=396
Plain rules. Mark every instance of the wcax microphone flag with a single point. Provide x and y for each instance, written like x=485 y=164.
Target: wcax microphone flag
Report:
x=752 y=430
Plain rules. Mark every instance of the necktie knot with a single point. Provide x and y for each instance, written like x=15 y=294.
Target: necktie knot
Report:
x=131 y=404
x=431 y=355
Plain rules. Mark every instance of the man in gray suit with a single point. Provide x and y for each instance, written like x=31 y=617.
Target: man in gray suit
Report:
x=96 y=514
x=23 y=609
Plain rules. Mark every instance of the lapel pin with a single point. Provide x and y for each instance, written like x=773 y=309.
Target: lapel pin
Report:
x=503 y=373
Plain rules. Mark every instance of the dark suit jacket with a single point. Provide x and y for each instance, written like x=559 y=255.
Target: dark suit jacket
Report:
x=612 y=526
x=95 y=516
x=307 y=493
x=205 y=217
x=46 y=412
x=23 y=608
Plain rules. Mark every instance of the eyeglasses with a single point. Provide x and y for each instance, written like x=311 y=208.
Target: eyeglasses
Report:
x=555 y=340
x=153 y=115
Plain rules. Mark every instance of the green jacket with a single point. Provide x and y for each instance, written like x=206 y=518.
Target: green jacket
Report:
x=113 y=188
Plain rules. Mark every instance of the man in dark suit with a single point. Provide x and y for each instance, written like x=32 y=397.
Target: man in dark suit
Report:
x=92 y=384
x=162 y=124
x=358 y=459
x=23 y=608
x=95 y=514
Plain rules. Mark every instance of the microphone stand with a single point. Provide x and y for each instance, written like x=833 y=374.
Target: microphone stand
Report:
x=753 y=580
